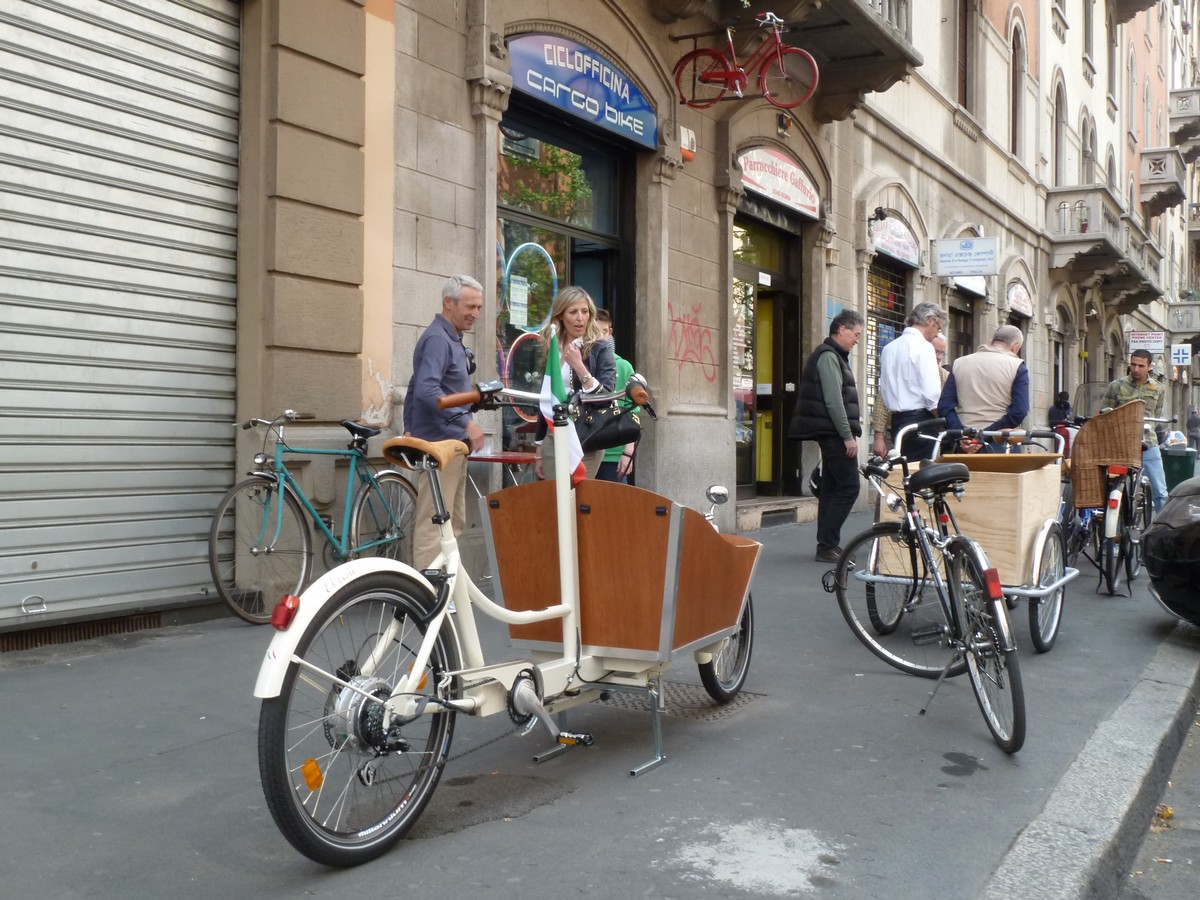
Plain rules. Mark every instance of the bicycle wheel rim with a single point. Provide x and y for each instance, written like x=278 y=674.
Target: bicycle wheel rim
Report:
x=895 y=614
x=1045 y=613
x=1143 y=514
x=789 y=79
x=257 y=551
x=724 y=676
x=335 y=795
x=384 y=518
x=690 y=78
x=994 y=672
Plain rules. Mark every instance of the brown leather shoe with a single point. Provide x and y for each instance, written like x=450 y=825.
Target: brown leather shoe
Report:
x=828 y=554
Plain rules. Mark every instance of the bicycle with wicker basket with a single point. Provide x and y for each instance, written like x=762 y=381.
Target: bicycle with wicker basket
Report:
x=1110 y=503
x=787 y=75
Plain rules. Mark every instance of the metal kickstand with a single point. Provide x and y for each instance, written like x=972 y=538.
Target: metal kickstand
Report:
x=942 y=677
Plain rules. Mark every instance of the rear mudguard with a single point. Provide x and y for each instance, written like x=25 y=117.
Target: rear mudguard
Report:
x=312 y=601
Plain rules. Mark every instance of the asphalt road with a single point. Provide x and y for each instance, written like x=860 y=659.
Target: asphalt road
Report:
x=128 y=768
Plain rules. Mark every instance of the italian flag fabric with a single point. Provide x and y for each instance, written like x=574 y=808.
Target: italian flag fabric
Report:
x=554 y=391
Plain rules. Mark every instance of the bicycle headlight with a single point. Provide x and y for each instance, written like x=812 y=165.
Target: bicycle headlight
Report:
x=260 y=459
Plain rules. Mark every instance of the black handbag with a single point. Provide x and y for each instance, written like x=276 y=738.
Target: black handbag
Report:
x=605 y=427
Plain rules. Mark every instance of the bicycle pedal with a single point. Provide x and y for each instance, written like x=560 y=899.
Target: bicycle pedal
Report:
x=927 y=634
x=575 y=738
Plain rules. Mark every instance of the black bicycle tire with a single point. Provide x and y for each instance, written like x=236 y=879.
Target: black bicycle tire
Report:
x=255 y=613
x=724 y=687
x=295 y=801
x=929 y=613
x=1045 y=613
x=400 y=548
x=1141 y=516
x=980 y=632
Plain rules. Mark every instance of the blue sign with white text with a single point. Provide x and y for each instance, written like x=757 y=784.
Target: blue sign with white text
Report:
x=579 y=81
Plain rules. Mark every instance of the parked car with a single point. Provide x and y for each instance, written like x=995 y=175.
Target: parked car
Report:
x=1171 y=552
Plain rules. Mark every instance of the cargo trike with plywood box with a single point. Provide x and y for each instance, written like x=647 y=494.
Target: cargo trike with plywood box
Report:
x=604 y=587
x=1012 y=511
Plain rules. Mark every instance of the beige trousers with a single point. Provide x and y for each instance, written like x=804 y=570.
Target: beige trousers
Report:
x=426 y=542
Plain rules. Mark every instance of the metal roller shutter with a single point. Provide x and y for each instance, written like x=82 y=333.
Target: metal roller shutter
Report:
x=118 y=223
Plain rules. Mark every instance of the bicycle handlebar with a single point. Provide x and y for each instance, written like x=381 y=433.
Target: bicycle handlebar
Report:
x=462 y=398
x=492 y=393
x=288 y=415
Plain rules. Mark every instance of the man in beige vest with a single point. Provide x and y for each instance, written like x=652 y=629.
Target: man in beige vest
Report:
x=988 y=390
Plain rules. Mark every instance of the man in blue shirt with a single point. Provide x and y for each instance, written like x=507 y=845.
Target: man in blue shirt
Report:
x=441 y=366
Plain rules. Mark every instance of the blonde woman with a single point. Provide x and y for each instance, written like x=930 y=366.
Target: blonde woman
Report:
x=576 y=340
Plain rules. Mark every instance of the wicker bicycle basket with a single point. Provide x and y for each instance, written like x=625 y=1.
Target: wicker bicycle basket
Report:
x=1108 y=439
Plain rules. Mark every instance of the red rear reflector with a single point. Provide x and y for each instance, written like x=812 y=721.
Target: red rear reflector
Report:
x=1118 y=470
x=284 y=611
x=991 y=577
x=1114 y=502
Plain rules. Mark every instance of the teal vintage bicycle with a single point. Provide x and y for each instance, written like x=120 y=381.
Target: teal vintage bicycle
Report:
x=260 y=545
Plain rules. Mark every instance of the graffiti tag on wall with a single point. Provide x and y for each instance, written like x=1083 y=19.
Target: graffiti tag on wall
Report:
x=692 y=342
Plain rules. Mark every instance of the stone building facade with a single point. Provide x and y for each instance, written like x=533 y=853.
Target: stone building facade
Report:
x=1015 y=161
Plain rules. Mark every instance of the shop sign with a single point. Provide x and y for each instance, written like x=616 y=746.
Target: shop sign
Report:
x=893 y=237
x=1019 y=300
x=581 y=82
x=966 y=256
x=971 y=284
x=776 y=176
x=1154 y=341
x=1181 y=354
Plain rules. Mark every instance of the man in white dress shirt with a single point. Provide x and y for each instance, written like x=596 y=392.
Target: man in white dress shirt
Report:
x=908 y=375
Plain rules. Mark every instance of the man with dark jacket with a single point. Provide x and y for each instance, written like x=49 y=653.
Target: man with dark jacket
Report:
x=827 y=412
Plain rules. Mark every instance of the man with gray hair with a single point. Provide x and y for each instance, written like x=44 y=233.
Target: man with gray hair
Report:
x=988 y=390
x=443 y=365
x=908 y=375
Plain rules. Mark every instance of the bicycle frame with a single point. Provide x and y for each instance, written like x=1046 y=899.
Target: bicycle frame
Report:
x=736 y=78
x=359 y=471
x=566 y=676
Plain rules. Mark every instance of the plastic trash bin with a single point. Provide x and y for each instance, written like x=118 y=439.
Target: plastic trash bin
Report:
x=1179 y=464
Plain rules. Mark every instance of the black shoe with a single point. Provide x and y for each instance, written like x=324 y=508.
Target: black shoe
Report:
x=828 y=554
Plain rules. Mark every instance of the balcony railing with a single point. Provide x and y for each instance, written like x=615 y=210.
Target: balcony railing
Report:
x=1185 y=114
x=897 y=13
x=1084 y=212
x=1163 y=179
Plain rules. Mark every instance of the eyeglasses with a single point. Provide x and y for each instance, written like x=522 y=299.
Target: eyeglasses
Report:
x=470 y=360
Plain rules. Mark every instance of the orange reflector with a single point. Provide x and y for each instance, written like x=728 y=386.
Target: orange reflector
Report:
x=312 y=774
x=991 y=578
x=284 y=612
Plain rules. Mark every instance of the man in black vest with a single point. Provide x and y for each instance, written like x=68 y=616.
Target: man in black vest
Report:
x=827 y=412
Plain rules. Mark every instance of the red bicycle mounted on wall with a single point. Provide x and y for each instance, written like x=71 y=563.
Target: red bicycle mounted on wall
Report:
x=787 y=76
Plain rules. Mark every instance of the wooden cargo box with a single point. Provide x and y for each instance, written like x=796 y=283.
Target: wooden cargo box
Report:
x=655 y=579
x=1007 y=501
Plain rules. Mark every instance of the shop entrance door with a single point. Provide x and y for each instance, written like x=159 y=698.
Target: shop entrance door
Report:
x=766 y=361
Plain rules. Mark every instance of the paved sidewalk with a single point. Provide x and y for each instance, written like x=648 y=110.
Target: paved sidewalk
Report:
x=1088 y=836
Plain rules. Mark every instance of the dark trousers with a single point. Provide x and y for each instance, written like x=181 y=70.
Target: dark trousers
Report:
x=915 y=447
x=839 y=491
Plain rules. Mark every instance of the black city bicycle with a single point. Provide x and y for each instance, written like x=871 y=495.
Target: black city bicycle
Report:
x=913 y=589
